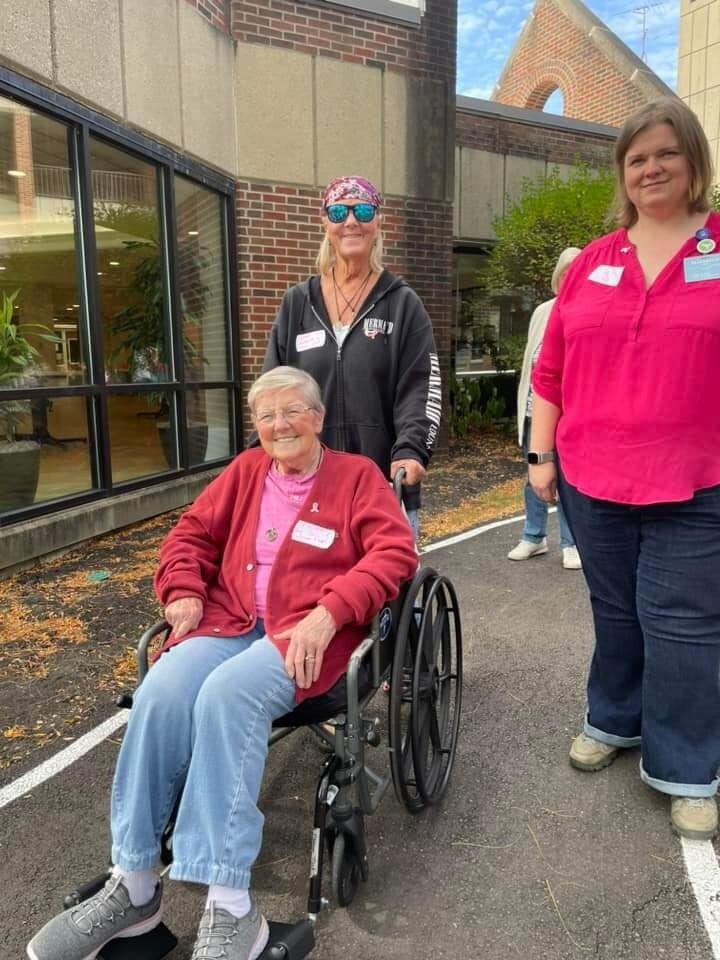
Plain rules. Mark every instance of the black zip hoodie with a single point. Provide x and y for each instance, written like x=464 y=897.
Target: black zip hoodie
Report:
x=381 y=386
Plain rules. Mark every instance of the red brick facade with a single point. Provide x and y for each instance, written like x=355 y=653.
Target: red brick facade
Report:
x=554 y=51
x=326 y=31
x=556 y=145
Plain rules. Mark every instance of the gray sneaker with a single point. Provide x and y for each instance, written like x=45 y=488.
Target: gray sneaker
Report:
x=222 y=935
x=81 y=932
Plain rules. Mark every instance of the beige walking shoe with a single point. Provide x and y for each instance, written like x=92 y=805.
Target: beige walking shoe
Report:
x=526 y=549
x=571 y=559
x=694 y=817
x=587 y=753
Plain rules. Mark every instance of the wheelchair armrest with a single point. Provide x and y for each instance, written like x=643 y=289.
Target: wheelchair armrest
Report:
x=141 y=654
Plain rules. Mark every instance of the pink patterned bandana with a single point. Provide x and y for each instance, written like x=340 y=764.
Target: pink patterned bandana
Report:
x=351 y=188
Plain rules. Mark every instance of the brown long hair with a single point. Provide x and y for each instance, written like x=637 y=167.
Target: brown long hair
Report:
x=692 y=141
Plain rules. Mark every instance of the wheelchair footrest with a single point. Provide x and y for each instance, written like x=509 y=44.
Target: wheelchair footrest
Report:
x=289 y=941
x=149 y=946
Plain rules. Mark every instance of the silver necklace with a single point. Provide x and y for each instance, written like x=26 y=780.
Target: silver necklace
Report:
x=271 y=533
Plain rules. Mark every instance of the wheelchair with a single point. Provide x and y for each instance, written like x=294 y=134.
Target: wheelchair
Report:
x=415 y=644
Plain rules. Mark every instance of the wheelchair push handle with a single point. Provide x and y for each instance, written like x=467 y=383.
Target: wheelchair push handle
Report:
x=398 y=483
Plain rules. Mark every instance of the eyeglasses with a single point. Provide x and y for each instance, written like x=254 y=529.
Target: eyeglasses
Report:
x=289 y=415
x=339 y=212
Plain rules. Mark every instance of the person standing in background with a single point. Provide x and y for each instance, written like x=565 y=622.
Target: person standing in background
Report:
x=533 y=541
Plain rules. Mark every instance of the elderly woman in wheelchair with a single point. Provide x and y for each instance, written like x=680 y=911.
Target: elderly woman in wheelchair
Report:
x=267 y=581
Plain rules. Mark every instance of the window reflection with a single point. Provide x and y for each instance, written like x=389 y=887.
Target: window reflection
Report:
x=209 y=416
x=38 y=249
x=50 y=455
x=130 y=266
x=142 y=435
x=201 y=276
x=490 y=326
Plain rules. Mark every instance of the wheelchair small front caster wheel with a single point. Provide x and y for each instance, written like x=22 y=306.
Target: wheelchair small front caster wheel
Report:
x=346 y=874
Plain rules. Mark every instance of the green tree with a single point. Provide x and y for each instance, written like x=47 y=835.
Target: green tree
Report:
x=551 y=213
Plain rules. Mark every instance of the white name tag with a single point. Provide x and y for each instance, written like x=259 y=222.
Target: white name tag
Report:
x=313 y=535
x=309 y=341
x=608 y=276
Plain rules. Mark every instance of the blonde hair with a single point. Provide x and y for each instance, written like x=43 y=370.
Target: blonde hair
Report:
x=564 y=261
x=692 y=141
x=286 y=378
x=326 y=255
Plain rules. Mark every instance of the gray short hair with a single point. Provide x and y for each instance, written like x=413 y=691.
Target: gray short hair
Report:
x=286 y=378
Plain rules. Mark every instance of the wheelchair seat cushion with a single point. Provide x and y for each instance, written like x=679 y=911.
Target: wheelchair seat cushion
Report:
x=327 y=705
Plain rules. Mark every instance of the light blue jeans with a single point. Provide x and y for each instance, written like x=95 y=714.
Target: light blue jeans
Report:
x=200 y=723
x=536 y=510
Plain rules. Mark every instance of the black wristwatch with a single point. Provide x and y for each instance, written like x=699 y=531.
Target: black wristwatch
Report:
x=535 y=458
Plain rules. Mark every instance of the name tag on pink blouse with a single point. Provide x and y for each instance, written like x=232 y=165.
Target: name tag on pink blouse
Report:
x=701 y=268
x=313 y=535
x=607 y=275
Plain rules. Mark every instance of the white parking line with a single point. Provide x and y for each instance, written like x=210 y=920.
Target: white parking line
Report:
x=700 y=859
x=704 y=875
x=61 y=760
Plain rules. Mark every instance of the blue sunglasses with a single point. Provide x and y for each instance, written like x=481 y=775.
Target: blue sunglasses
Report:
x=339 y=212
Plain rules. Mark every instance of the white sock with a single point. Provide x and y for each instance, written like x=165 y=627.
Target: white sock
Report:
x=140 y=884
x=236 y=902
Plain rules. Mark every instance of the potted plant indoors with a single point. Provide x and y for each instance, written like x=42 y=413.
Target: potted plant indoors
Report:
x=139 y=332
x=19 y=458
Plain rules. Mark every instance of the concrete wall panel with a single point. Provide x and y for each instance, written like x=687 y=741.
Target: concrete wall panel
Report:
x=685 y=35
x=207 y=59
x=518 y=170
x=152 y=78
x=713 y=31
x=348 y=93
x=275 y=130
x=25 y=35
x=395 y=133
x=713 y=66
x=697 y=71
x=711 y=122
x=458 y=193
x=699 y=28
x=428 y=136
x=482 y=186
x=88 y=51
x=683 y=84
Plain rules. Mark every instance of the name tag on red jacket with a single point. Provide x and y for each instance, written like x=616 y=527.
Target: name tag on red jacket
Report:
x=313 y=535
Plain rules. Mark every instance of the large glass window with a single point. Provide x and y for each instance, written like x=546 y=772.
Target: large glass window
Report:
x=490 y=326
x=115 y=340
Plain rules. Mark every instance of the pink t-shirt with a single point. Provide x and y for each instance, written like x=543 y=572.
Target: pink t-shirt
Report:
x=283 y=497
x=633 y=370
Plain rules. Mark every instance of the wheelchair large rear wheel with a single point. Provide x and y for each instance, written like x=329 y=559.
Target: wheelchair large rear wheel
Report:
x=436 y=691
x=401 y=705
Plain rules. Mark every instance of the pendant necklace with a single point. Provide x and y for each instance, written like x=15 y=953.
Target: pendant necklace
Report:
x=354 y=302
x=271 y=534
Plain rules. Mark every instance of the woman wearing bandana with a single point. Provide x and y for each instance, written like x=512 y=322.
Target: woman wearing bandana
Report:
x=365 y=336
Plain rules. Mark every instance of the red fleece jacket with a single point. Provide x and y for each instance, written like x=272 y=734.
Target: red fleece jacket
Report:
x=210 y=554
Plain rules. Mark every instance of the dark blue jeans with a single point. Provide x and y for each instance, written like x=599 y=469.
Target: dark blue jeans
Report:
x=654 y=579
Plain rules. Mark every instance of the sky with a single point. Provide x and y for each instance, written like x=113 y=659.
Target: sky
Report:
x=488 y=29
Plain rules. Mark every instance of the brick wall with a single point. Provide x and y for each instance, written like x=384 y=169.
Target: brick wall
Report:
x=501 y=135
x=555 y=53
x=216 y=11
x=428 y=51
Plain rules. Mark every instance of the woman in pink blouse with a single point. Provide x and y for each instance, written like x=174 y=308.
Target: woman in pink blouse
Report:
x=629 y=361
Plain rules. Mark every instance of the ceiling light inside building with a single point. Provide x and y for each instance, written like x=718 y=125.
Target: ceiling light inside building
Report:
x=114 y=263
x=17 y=173
x=100 y=273
x=193 y=233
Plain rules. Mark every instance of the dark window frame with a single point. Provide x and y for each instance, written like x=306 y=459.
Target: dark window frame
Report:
x=82 y=124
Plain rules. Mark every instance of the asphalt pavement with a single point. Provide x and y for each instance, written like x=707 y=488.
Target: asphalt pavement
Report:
x=526 y=857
